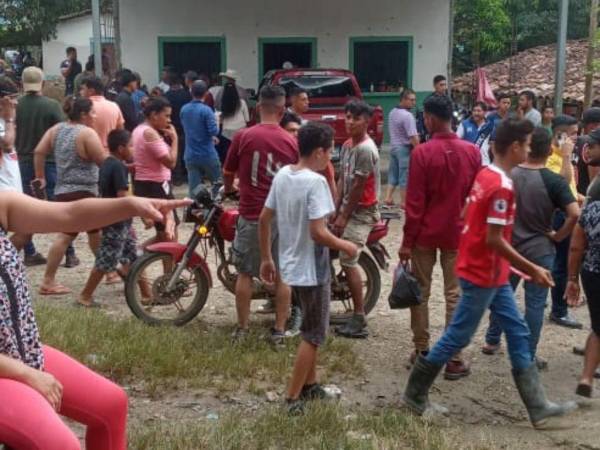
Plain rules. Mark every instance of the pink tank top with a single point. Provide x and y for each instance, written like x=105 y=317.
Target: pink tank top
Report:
x=147 y=156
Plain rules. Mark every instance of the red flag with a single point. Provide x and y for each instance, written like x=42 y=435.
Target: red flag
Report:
x=484 y=90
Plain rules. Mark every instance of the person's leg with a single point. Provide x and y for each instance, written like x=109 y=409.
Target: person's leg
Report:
x=107 y=258
x=457 y=367
x=514 y=326
x=50 y=171
x=283 y=295
x=403 y=162
x=20 y=240
x=91 y=400
x=27 y=176
x=591 y=286
x=55 y=255
x=393 y=174
x=27 y=421
x=494 y=331
x=473 y=303
x=243 y=296
x=246 y=258
x=423 y=261
x=471 y=307
x=194 y=177
x=214 y=174
x=535 y=303
x=560 y=312
x=306 y=359
x=94 y=238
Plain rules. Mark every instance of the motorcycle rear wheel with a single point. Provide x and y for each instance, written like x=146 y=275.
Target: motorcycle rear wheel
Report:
x=341 y=297
x=164 y=308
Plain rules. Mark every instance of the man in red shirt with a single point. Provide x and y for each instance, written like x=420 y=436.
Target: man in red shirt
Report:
x=440 y=176
x=255 y=155
x=484 y=258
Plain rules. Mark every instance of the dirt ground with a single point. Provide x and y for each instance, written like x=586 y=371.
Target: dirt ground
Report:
x=485 y=407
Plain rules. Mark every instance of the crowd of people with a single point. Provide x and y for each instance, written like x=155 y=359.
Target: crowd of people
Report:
x=504 y=196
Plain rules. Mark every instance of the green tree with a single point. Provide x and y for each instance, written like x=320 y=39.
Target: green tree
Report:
x=28 y=22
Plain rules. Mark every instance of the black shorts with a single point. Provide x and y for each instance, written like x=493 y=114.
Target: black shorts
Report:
x=591 y=287
x=314 y=302
x=154 y=189
x=74 y=196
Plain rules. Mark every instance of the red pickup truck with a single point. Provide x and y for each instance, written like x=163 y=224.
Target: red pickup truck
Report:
x=328 y=91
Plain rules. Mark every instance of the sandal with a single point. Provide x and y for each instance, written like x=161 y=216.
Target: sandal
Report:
x=113 y=278
x=58 y=289
x=584 y=390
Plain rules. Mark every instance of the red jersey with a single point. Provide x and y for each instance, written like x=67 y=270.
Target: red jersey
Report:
x=491 y=201
x=256 y=154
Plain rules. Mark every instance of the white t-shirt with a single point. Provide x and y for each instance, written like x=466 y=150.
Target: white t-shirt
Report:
x=233 y=124
x=297 y=197
x=10 y=175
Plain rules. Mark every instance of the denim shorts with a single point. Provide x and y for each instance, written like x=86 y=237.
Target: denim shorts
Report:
x=398 y=169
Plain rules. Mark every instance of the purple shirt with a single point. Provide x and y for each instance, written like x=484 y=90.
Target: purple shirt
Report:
x=403 y=126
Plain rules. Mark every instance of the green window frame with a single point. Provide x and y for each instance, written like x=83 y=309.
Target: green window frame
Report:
x=285 y=40
x=198 y=39
x=408 y=39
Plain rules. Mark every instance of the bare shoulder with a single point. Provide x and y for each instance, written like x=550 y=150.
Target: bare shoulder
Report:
x=151 y=135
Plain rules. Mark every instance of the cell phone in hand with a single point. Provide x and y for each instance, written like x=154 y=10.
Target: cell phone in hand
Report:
x=562 y=139
x=38 y=190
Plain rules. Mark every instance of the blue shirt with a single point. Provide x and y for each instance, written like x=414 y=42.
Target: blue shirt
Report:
x=199 y=126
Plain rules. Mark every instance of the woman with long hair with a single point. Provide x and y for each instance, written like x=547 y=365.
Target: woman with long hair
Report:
x=37 y=382
x=154 y=157
x=234 y=116
x=78 y=153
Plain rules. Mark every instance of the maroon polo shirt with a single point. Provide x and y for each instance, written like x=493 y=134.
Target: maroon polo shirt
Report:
x=440 y=176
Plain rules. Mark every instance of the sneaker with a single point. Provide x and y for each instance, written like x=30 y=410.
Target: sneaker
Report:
x=490 y=349
x=295 y=407
x=455 y=370
x=239 y=335
x=313 y=392
x=276 y=337
x=355 y=328
x=294 y=322
x=71 y=261
x=567 y=321
x=267 y=307
x=34 y=260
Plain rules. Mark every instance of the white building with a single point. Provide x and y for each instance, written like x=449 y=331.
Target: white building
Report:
x=74 y=30
x=383 y=41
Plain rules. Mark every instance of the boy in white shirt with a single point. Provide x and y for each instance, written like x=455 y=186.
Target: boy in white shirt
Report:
x=300 y=200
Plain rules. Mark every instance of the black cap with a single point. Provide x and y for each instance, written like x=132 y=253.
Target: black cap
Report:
x=591 y=115
x=594 y=137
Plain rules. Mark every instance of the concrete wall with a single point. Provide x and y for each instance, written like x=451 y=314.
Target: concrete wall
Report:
x=75 y=32
x=332 y=22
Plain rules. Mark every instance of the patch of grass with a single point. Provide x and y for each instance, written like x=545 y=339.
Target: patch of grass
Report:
x=324 y=426
x=197 y=355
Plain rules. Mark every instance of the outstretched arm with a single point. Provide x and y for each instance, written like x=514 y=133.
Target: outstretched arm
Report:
x=28 y=215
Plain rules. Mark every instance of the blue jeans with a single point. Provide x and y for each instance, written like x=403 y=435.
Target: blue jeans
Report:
x=398 y=168
x=559 y=270
x=197 y=172
x=535 y=303
x=472 y=306
x=27 y=176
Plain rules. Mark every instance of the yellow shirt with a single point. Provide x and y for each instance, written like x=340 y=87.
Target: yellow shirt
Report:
x=555 y=162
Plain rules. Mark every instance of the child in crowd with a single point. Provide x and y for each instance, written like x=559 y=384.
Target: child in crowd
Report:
x=300 y=200
x=118 y=240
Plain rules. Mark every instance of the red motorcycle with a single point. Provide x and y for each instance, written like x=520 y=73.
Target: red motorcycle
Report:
x=170 y=282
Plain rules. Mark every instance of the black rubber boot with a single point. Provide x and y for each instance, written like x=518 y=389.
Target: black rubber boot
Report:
x=416 y=393
x=542 y=413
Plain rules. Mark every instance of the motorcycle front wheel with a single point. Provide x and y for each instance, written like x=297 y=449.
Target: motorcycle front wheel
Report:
x=341 y=299
x=147 y=295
